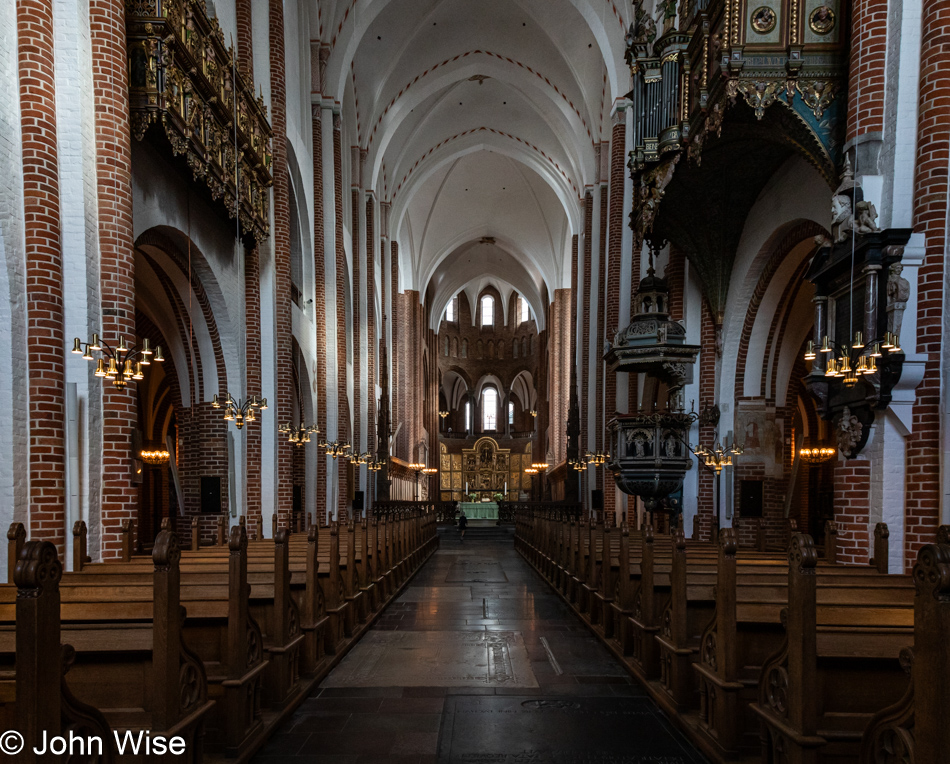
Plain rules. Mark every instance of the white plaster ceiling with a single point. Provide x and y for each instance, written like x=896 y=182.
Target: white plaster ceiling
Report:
x=479 y=118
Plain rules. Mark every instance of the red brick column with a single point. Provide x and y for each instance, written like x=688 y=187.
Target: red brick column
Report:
x=396 y=392
x=340 y=328
x=371 y=326
x=866 y=78
x=252 y=349
x=707 y=435
x=252 y=308
x=116 y=262
x=930 y=211
x=46 y=344
x=245 y=38
x=320 y=301
x=585 y=308
x=284 y=322
x=599 y=343
x=853 y=510
x=357 y=318
x=633 y=390
x=614 y=264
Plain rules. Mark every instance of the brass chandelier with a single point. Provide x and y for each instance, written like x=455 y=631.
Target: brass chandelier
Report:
x=718 y=457
x=120 y=364
x=155 y=457
x=598 y=459
x=239 y=411
x=298 y=434
x=817 y=454
x=860 y=359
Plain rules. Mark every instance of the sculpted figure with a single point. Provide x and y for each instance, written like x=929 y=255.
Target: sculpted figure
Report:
x=898 y=293
x=842 y=218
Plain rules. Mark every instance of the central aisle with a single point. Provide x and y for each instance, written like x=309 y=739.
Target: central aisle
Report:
x=478 y=661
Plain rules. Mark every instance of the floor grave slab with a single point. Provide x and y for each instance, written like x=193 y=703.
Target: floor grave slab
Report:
x=430 y=594
x=568 y=730
x=436 y=659
x=476 y=572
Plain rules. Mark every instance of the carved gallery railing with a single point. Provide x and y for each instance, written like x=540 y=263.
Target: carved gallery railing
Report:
x=183 y=77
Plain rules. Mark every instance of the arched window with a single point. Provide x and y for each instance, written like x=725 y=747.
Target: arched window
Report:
x=501 y=348
x=464 y=348
x=478 y=349
x=524 y=347
x=451 y=310
x=455 y=347
x=489 y=408
x=523 y=314
x=468 y=415
x=514 y=348
x=488 y=310
x=445 y=346
x=491 y=349
x=511 y=414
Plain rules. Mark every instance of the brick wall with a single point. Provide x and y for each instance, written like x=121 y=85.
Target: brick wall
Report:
x=44 y=272
x=930 y=218
x=116 y=264
x=853 y=509
x=245 y=40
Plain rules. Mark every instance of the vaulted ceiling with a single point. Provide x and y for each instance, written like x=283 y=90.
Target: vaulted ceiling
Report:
x=479 y=119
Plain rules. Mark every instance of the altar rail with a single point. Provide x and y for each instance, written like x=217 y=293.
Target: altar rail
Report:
x=508 y=510
x=445 y=511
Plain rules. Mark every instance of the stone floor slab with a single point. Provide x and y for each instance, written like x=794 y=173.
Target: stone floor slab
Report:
x=435 y=658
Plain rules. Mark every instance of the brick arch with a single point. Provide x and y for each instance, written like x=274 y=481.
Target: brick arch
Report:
x=161 y=238
x=769 y=258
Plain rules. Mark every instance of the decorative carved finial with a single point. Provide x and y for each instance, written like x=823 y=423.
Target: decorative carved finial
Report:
x=679 y=538
x=313 y=533
x=802 y=553
x=728 y=542
x=237 y=542
x=882 y=531
x=166 y=551
x=647 y=534
x=281 y=536
x=17 y=532
x=931 y=571
x=38 y=569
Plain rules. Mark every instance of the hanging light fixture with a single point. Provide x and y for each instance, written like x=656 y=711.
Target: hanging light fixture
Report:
x=539 y=466
x=335 y=450
x=817 y=454
x=239 y=411
x=120 y=364
x=154 y=457
x=443 y=414
x=299 y=434
x=718 y=457
x=429 y=470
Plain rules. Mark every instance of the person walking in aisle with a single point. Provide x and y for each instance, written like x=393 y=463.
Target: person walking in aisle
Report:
x=463 y=524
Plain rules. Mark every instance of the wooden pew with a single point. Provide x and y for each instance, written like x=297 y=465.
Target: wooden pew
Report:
x=836 y=665
x=35 y=696
x=915 y=728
